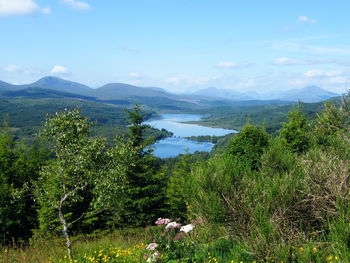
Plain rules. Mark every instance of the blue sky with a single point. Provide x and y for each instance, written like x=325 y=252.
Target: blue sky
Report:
x=179 y=45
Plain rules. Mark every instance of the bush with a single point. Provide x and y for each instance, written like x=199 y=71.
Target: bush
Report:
x=249 y=144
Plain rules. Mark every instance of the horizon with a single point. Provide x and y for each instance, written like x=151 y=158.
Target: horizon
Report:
x=171 y=92
x=180 y=47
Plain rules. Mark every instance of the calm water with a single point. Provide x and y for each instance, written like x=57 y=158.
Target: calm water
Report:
x=170 y=147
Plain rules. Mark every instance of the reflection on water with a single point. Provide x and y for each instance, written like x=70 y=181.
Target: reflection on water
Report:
x=170 y=147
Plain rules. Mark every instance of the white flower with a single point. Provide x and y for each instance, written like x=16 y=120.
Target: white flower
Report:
x=187 y=228
x=153 y=258
x=172 y=225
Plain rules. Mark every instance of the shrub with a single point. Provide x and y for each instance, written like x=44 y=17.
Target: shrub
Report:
x=249 y=144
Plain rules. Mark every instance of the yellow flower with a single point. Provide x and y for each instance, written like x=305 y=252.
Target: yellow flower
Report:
x=329 y=258
x=314 y=249
x=301 y=249
x=336 y=258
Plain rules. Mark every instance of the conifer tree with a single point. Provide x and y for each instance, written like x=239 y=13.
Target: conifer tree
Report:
x=145 y=195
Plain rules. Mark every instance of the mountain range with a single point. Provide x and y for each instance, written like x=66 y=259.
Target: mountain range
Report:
x=308 y=94
x=53 y=86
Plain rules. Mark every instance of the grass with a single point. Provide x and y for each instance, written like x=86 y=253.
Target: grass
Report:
x=129 y=245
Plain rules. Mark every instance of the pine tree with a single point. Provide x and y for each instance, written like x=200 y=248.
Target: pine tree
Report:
x=145 y=195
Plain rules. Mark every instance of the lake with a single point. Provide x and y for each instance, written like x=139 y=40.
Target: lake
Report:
x=173 y=146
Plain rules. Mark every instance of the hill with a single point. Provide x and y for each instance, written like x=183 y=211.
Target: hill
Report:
x=122 y=91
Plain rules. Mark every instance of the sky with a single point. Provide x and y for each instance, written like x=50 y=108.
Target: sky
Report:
x=178 y=45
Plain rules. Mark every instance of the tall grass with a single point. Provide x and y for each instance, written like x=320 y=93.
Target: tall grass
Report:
x=44 y=250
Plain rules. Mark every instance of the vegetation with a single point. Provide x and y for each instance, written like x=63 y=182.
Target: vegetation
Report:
x=265 y=198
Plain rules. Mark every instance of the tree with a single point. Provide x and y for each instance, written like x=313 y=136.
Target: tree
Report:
x=176 y=186
x=145 y=194
x=294 y=133
x=83 y=179
x=19 y=168
x=249 y=144
x=329 y=123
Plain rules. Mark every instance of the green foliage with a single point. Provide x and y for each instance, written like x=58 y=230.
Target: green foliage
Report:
x=84 y=179
x=249 y=144
x=66 y=181
x=176 y=187
x=19 y=167
x=295 y=132
x=145 y=192
x=281 y=199
x=211 y=184
x=329 y=124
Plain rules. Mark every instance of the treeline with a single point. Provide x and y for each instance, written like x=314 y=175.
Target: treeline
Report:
x=280 y=198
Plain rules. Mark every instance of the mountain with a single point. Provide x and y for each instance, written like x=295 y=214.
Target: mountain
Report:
x=59 y=84
x=122 y=91
x=5 y=85
x=51 y=83
x=222 y=93
x=307 y=94
x=40 y=93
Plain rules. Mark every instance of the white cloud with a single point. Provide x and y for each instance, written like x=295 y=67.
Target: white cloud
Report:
x=188 y=79
x=226 y=65
x=134 y=75
x=12 y=68
x=19 y=69
x=21 y=7
x=305 y=19
x=60 y=70
x=316 y=73
x=80 y=5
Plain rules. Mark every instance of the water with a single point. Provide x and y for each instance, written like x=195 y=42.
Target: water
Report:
x=173 y=146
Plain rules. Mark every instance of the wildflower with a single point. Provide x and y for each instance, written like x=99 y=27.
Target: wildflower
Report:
x=314 y=249
x=153 y=258
x=172 y=225
x=162 y=221
x=187 y=228
x=329 y=258
x=152 y=246
x=336 y=258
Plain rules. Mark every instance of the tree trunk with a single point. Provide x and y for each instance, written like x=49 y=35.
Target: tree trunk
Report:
x=65 y=232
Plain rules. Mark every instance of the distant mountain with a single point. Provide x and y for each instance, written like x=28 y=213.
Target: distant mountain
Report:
x=51 y=83
x=222 y=93
x=5 y=85
x=60 y=85
x=121 y=91
x=112 y=91
x=40 y=93
x=307 y=94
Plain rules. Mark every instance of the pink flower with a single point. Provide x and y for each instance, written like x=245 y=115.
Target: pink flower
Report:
x=172 y=225
x=187 y=228
x=162 y=221
x=152 y=246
